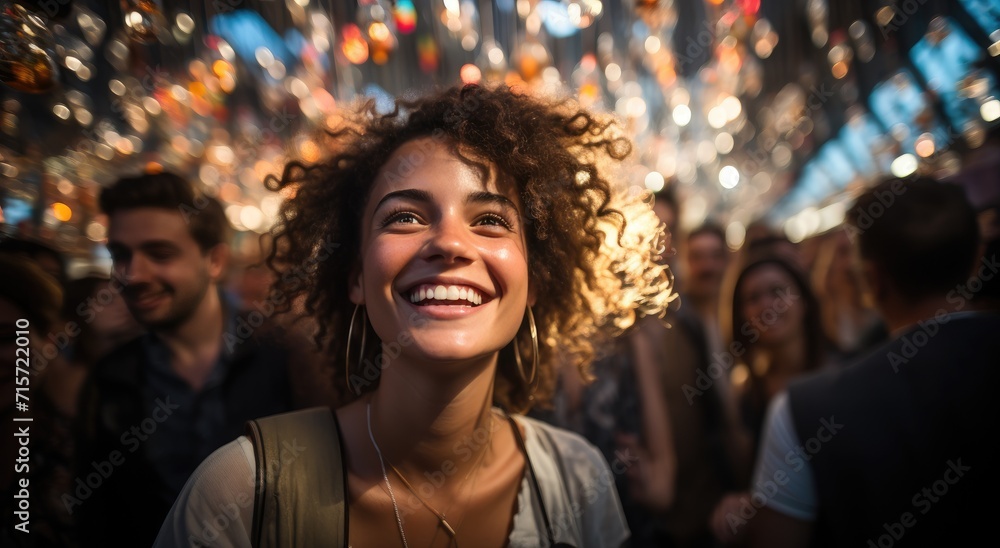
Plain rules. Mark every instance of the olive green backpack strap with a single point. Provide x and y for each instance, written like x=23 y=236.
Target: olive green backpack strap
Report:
x=300 y=496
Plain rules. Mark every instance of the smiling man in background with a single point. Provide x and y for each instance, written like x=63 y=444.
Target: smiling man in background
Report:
x=158 y=405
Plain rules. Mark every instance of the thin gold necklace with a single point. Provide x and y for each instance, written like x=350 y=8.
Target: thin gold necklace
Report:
x=452 y=532
x=392 y=495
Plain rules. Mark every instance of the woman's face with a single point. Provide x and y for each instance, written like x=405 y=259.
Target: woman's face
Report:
x=773 y=307
x=444 y=267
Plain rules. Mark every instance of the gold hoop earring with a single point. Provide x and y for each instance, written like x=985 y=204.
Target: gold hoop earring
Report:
x=534 y=355
x=347 y=354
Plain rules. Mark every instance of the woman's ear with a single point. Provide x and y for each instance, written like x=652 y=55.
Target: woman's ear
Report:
x=356 y=292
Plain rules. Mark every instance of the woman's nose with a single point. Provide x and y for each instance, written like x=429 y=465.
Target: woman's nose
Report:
x=449 y=240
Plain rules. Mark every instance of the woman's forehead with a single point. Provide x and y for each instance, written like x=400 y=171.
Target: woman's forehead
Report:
x=440 y=166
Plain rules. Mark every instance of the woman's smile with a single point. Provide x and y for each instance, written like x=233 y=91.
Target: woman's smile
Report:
x=444 y=301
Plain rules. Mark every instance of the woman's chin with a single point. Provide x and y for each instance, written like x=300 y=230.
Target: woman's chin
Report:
x=441 y=356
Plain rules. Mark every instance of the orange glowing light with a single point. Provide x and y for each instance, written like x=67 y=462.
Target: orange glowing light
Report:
x=839 y=70
x=62 y=211
x=530 y=67
x=221 y=68
x=730 y=59
x=310 y=151
x=379 y=31
x=589 y=91
x=197 y=88
x=354 y=48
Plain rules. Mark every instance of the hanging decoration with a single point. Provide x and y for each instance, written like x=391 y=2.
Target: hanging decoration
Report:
x=144 y=21
x=27 y=60
x=376 y=20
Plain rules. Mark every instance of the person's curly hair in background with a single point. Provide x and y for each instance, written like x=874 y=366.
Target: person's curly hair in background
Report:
x=592 y=246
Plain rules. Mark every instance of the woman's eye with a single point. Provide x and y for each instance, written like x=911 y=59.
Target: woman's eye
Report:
x=402 y=217
x=492 y=219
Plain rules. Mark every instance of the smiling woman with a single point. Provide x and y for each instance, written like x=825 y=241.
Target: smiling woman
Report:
x=545 y=168
x=480 y=231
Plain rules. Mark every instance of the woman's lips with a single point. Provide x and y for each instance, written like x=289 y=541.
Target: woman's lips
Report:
x=443 y=310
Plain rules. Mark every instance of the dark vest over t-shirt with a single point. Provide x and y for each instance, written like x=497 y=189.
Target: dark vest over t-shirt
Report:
x=914 y=463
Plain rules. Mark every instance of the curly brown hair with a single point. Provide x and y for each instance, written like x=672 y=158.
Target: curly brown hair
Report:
x=592 y=246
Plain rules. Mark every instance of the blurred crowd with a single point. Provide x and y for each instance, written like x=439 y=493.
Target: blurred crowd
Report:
x=680 y=404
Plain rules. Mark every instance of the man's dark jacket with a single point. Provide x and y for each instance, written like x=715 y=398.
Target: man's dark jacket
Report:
x=914 y=461
x=128 y=506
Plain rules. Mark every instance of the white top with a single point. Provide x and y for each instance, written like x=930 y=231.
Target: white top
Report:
x=215 y=508
x=783 y=476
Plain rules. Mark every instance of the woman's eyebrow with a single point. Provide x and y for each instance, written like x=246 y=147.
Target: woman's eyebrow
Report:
x=418 y=195
x=483 y=197
x=413 y=194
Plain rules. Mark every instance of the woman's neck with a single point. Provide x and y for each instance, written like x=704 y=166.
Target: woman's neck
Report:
x=425 y=424
x=788 y=357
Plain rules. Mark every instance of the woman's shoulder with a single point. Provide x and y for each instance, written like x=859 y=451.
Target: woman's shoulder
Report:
x=216 y=505
x=570 y=458
x=577 y=484
x=565 y=443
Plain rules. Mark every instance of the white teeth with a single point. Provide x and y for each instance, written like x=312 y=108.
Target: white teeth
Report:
x=446 y=293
